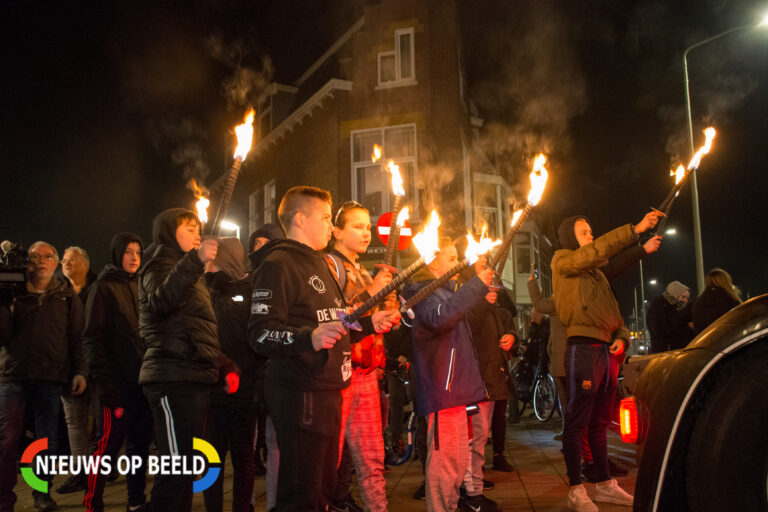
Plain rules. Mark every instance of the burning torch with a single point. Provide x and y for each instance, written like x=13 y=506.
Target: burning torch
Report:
x=202 y=203
x=681 y=177
x=426 y=242
x=244 y=133
x=397 y=221
x=538 y=177
x=474 y=250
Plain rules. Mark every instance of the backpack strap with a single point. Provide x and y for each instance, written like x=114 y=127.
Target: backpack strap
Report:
x=338 y=269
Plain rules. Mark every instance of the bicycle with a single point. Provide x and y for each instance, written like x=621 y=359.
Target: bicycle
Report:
x=535 y=385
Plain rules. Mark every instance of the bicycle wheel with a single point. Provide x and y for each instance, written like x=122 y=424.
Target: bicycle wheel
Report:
x=544 y=398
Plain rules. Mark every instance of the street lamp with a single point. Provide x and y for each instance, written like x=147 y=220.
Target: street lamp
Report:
x=670 y=232
x=231 y=226
x=694 y=185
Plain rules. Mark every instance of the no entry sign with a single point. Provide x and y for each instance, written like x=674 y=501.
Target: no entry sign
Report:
x=382 y=229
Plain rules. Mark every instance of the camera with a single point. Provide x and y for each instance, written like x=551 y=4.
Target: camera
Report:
x=14 y=271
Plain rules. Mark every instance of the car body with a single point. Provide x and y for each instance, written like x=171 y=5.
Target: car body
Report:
x=702 y=417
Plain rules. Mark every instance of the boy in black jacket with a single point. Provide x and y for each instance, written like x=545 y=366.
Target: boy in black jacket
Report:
x=294 y=321
x=114 y=351
x=182 y=361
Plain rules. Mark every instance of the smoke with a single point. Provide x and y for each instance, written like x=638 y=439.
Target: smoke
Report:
x=185 y=139
x=245 y=86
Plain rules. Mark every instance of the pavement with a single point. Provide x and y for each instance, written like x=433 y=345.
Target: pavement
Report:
x=539 y=482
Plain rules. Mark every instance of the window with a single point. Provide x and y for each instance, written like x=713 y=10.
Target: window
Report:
x=269 y=202
x=254 y=211
x=488 y=206
x=399 y=66
x=523 y=252
x=371 y=183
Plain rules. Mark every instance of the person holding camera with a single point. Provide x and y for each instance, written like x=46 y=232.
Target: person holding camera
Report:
x=37 y=360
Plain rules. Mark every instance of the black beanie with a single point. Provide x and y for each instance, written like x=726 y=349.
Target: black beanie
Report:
x=567 y=235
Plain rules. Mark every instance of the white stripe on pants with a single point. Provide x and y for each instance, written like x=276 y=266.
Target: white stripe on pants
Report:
x=447 y=465
x=481 y=424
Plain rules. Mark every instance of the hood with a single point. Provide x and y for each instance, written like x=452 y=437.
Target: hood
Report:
x=285 y=244
x=230 y=258
x=270 y=231
x=117 y=248
x=566 y=234
x=164 y=227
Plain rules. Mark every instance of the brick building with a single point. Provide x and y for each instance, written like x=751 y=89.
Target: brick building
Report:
x=394 y=78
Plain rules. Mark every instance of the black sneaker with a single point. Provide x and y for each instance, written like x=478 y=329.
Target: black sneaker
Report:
x=44 y=502
x=144 y=507
x=500 y=463
x=487 y=484
x=75 y=483
x=478 y=504
x=421 y=492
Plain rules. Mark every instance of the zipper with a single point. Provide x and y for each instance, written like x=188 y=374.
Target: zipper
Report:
x=449 y=378
x=477 y=359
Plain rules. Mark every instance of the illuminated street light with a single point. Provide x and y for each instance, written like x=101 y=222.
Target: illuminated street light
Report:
x=671 y=231
x=652 y=282
x=231 y=226
x=694 y=186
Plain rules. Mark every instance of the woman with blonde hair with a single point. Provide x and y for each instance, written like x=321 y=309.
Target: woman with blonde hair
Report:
x=719 y=297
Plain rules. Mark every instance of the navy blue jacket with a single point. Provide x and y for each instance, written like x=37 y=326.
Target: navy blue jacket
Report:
x=445 y=365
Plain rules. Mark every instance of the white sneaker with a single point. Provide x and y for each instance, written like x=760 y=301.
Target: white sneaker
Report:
x=610 y=492
x=578 y=500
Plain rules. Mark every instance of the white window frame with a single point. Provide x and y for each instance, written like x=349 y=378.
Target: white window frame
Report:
x=412 y=189
x=399 y=80
x=501 y=192
x=254 y=211
x=270 y=210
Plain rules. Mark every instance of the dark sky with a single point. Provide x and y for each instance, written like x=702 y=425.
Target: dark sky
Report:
x=107 y=108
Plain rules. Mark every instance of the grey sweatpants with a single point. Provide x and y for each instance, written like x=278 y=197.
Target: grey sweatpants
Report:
x=481 y=424
x=446 y=465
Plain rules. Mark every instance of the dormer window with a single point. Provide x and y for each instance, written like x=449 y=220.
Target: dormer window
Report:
x=398 y=67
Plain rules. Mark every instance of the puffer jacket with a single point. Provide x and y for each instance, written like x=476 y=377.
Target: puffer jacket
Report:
x=446 y=369
x=176 y=318
x=45 y=339
x=583 y=297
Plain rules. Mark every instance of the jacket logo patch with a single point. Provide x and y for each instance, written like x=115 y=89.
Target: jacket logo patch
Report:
x=346 y=367
x=237 y=298
x=338 y=302
x=586 y=385
x=261 y=294
x=258 y=308
x=284 y=337
x=317 y=284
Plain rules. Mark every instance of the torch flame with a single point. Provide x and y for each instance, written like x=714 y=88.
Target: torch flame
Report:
x=244 y=134
x=539 y=177
x=678 y=173
x=376 y=155
x=516 y=217
x=477 y=248
x=709 y=133
x=202 y=202
x=397 y=180
x=402 y=217
x=426 y=242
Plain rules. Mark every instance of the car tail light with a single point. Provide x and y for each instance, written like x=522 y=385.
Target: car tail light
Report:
x=628 y=420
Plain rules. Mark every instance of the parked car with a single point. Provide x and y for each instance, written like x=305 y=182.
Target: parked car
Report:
x=700 y=418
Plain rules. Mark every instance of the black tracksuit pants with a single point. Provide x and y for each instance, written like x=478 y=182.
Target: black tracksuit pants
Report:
x=308 y=425
x=591 y=372
x=131 y=423
x=231 y=425
x=180 y=410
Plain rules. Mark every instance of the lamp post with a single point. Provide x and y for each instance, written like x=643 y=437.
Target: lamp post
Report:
x=231 y=226
x=694 y=185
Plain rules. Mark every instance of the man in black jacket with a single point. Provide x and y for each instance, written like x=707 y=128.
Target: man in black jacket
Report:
x=294 y=309
x=36 y=362
x=183 y=358
x=115 y=351
x=668 y=319
x=232 y=418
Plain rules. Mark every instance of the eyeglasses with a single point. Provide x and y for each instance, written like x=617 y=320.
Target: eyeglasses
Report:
x=347 y=205
x=38 y=257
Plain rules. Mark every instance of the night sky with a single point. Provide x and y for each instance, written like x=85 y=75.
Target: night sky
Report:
x=109 y=108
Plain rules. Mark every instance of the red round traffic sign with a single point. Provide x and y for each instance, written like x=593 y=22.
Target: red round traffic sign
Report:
x=382 y=229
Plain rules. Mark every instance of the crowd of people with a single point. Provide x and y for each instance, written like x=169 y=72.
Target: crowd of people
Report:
x=184 y=338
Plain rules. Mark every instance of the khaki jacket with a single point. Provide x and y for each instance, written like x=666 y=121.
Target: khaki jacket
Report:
x=583 y=298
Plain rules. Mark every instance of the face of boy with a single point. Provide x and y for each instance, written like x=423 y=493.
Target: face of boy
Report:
x=188 y=235
x=132 y=258
x=315 y=223
x=356 y=234
x=445 y=259
x=583 y=232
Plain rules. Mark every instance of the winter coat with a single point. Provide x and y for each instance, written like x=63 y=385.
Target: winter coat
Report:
x=713 y=303
x=446 y=369
x=176 y=318
x=487 y=324
x=668 y=326
x=45 y=340
x=293 y=292
x=583 y=297
x=113 y=347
